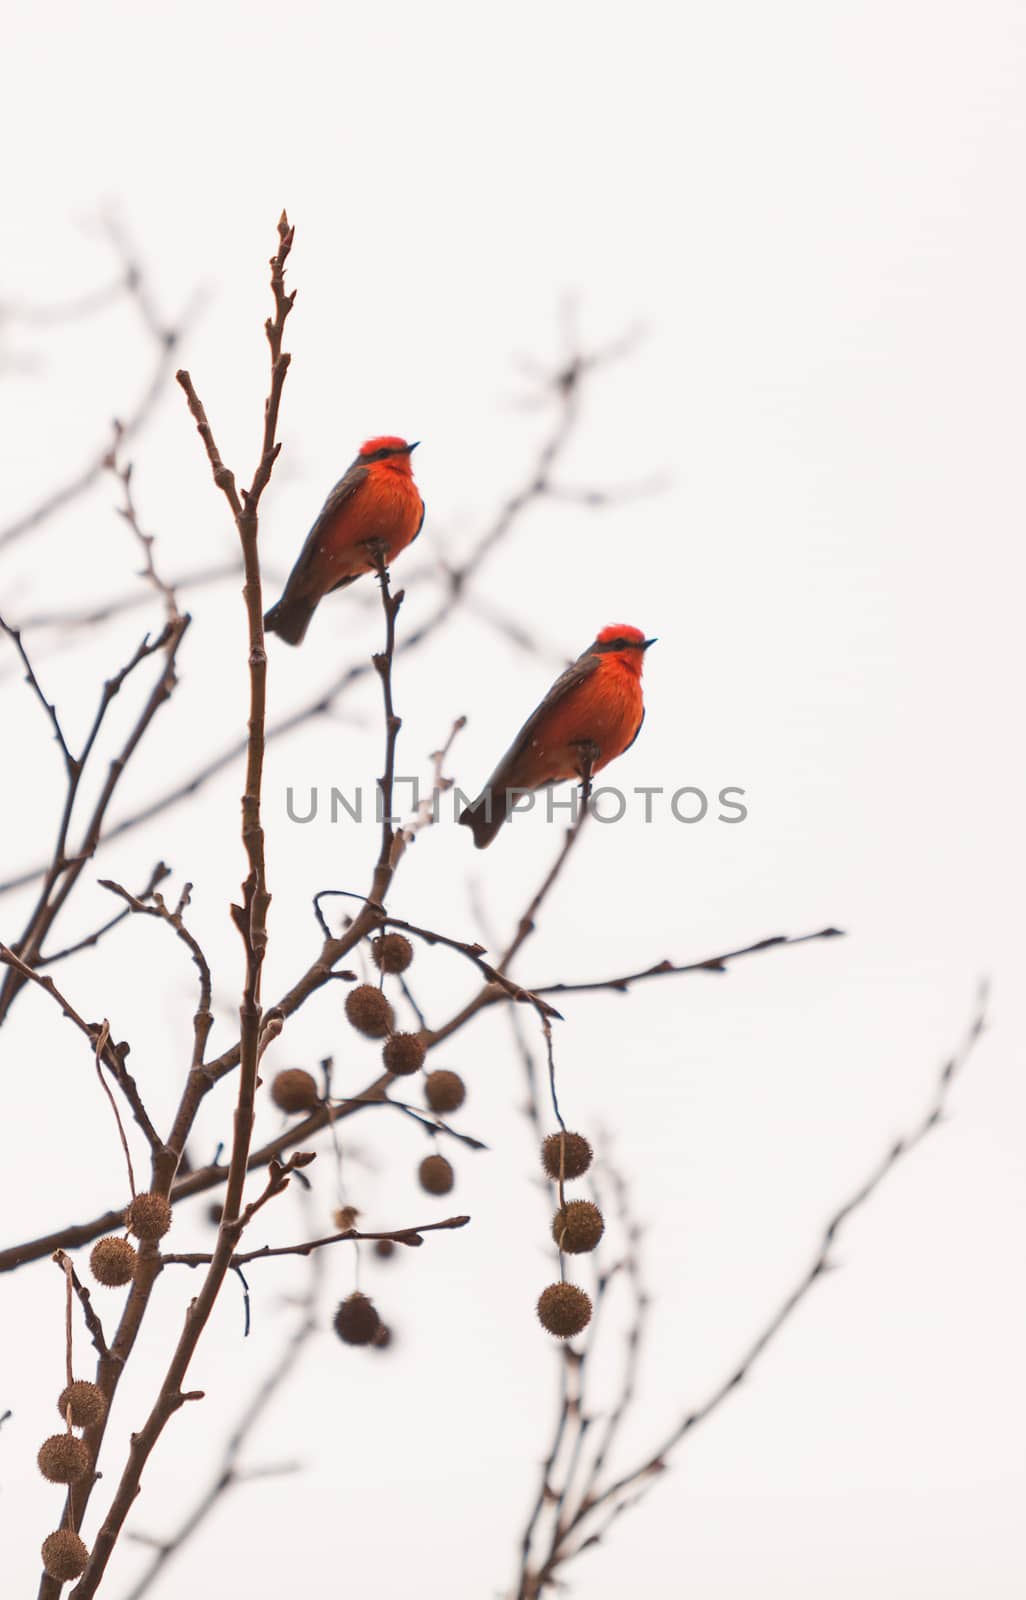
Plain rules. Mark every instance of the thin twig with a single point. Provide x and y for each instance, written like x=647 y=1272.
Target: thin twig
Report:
x=203 y=1019
x=407 y=1236
x=159 y=873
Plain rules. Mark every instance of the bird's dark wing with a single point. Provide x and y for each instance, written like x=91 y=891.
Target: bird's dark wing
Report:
x=577 y=673
x=346 y=486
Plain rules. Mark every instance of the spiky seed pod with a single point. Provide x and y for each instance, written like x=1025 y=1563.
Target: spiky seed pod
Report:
x=404 y=1053
x=393 y=952
x=576 y=1153
x=112 y=1261
x=444 y=1090
x=564 y=1310
x=214 y=1210
x=383 y=1248
x=149 y=1217
x=578 y=1226
x=436 y=1175
x=294 y=1090
x=65 y=1557
x=87 y=1401
x=369 y=1011
x=356 y=1321
x=383 y=1338
x=63 y=1458
x=345 y=1217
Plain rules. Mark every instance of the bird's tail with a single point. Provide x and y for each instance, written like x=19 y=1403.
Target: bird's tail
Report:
x=289 y=619
x=485 y=817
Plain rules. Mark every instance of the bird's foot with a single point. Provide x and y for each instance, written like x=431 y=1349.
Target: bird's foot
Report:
x=588 y=754
x=377 y=550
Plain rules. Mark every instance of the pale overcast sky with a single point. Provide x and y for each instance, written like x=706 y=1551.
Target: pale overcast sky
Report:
x=812 y=214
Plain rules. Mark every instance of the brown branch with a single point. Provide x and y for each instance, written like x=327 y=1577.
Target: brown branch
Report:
x=407 y=1236
x=251 y=921
x=383 y=661
x=14 y=634
x=228 y=1475
x=92 y=1321
x=663 y=969
x=159 y=873
x=128 y=512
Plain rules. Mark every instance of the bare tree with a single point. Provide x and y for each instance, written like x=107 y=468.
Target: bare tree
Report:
x=583 y=1486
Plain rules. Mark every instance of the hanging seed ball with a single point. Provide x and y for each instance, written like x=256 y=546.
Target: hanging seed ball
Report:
x=564 y=1310
x=63 y=1458
x=112 y=1262
x=64 y=1555
x=444 y=1090
x=383 y=1248
x=576 y=1153
x=578 y=1226
x=436 y=1175
x=383 y=1338
x=294 y=1090
x=345 y=1217
x=404 y=1053
x=393 y=952
x=214 y=1214
x=149 y=1217
x=369 y=1011
x=356 y=1321
x=87 y=1401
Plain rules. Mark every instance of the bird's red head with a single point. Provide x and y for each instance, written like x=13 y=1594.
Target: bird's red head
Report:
x=627 y=644
x=390 y=450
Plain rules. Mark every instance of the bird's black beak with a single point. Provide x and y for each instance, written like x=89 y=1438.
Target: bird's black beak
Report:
x=411 y=447
x=648 y=642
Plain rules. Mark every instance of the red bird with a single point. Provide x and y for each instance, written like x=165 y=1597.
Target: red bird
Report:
x=376 y=500
x=591 y=715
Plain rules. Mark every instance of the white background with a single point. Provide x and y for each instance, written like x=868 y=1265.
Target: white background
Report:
x=814 y=213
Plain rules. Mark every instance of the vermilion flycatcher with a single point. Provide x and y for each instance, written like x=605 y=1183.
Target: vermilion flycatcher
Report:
x=591 y=715
x=376 y=500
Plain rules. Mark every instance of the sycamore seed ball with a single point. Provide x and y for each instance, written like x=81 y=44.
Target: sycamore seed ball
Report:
x=404 y=1053
x=444 y=1090
x=578 y=1226
x=87 y=1401
x=149 y=1217
x=564 y=1310
x=575 y=1151
x=112 y=1262
x=436 y=1175
x=369 y=1011
x=356 y=1321
x=294 y=1090
x=345 y=1217
x=393 y=952
x=64 y=1555
x=63 y=1459
x=383 y=1338
x=383 y=1248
